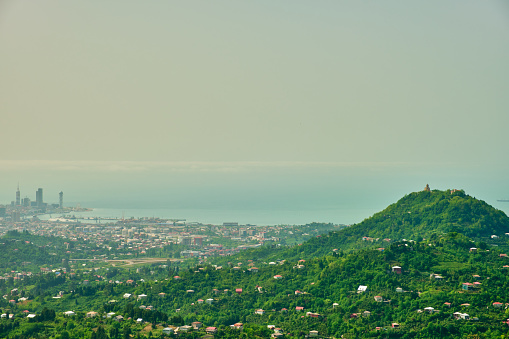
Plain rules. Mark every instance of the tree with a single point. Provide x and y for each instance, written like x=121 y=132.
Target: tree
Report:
x=126 y=332
x=100 y=333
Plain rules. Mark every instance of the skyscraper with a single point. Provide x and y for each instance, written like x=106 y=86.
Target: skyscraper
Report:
x=61 y=199
x=18 y=197
x=38 y=198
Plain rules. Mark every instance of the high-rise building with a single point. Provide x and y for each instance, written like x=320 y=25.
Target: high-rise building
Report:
x=38 y=198
x=61 y=199
x=25 y=202
x=18 y=197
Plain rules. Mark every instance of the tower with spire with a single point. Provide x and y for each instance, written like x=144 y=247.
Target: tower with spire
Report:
x=18 y=197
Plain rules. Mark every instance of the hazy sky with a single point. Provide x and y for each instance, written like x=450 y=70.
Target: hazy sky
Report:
x=226 y=86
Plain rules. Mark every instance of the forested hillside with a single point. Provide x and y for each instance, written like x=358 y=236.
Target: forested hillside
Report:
x=416 y=216
x=421 y=214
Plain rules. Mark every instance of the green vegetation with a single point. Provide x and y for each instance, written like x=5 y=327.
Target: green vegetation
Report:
x=416 y=216
x=451 y=245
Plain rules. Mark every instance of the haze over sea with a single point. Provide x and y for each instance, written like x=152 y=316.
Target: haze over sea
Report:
x=249 y=193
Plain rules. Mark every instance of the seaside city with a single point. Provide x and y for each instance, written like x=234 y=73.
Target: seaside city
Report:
x=135 y=237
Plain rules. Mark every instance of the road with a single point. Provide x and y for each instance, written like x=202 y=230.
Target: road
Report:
x=130 y=262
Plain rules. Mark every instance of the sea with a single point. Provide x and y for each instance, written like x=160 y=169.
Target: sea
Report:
x=218 y=217
x=281 y=196
x=345 y=215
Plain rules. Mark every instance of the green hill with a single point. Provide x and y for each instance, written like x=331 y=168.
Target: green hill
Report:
x=416 y=216
x=421 y=214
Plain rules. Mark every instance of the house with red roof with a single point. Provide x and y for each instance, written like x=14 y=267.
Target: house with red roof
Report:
x=237 y=326
x=467 y=286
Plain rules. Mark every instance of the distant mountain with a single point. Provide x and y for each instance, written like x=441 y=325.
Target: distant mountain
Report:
x=416 y=216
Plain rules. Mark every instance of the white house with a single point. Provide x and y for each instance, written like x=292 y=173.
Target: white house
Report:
x=168 y=330
x=362 y=288
x=429 y=309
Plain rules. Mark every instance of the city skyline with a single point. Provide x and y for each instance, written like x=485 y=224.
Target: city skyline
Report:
x=37 y=202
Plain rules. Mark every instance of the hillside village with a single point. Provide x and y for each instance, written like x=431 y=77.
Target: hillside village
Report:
x=444 y=284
